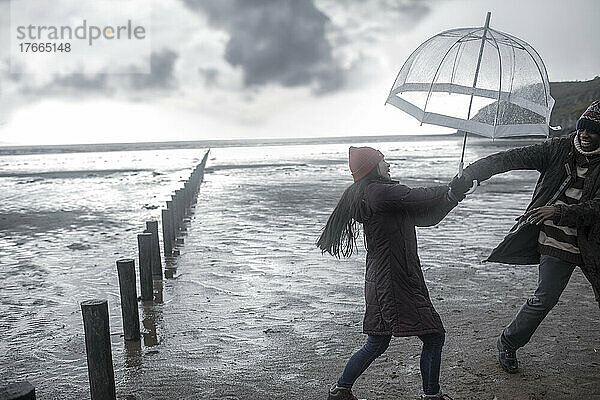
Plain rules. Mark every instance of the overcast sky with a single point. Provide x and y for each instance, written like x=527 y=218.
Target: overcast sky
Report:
x=274 y=68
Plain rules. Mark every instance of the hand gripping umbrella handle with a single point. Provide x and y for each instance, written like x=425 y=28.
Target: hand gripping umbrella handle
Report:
x=461 y=166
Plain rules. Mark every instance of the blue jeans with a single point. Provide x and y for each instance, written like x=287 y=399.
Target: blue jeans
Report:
x=554 y=274
x=375 y=346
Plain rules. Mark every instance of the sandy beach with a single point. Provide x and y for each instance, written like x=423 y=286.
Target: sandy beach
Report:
x=254 y=311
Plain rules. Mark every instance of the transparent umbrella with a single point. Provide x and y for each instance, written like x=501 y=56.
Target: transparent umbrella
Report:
x=476 y=80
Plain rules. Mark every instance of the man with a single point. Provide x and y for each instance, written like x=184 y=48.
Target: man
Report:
x=561 y=227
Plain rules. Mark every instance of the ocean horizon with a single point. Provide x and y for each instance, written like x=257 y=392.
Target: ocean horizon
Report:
x=250 y=142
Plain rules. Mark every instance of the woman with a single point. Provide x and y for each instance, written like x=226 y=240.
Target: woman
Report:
x=397 y=300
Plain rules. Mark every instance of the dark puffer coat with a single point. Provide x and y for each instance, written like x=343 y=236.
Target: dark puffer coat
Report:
x=397 y=300
x=555 y=160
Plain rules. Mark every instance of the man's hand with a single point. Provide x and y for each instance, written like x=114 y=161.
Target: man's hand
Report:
x=536 y=216
x=461 y=184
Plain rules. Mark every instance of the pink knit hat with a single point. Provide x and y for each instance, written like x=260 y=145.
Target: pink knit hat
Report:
x=362 y=160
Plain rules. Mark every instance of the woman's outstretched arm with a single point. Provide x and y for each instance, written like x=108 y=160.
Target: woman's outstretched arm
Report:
x=428 y=206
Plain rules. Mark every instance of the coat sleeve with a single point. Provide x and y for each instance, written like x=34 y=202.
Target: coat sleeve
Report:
x=534 y=157
x=586 y=213
x=428 y=206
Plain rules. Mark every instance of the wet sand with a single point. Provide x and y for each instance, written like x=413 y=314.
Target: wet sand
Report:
x=254 y=311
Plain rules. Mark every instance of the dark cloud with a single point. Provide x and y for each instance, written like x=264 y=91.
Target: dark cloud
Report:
x=161 y=77
x=415 y=9
x=161 y=72
x=276 y=41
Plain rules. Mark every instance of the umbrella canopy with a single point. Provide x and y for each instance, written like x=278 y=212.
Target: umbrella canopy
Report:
x=476 y=80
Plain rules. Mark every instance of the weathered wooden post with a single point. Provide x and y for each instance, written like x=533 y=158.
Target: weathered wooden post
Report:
x=190 y=189
x=173 y=224
x=98 y=350
x=186 y=204
x=175 y=201
x=129 y=305
x=166 y=230
x=145 y=255
x=152 y=227
x=180 y=208
x=203 y=164
x=188 y=195
x=17 y=391
x=196 y=184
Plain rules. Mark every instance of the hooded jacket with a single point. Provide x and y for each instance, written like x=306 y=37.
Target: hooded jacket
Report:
x=555 y=160
x=397 y=300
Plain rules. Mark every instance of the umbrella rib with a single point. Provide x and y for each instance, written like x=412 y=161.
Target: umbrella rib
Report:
x=483 y=39
x=512 y=74
x=406 y=62
x=508 y=39
x=458 y=52
x=440 y=65
x=499 y=84
x=543 y=73
x=544 y=76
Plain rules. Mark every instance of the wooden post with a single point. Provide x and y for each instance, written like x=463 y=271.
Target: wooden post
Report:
x=145 y=255
x=190 y=192
x=173 y=225
x=97 y=346
x=197 y=179
x=180 y=207
x=174 y=230
x=166 y=230
x=175 y=201
x=129 y=306
x=152 y=227
x=18 y=391
x=194 y=184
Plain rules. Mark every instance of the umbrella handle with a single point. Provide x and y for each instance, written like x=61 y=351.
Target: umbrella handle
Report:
x=461 y=166
x=473 y=188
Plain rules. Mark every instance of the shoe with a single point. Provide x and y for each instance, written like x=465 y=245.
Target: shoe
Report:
x=507 y=358
x=439 y=396
x=339 y=393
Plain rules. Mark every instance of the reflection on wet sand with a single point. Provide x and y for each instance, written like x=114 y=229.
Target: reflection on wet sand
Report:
x=133 y=353
x=151 y=316
x=151 y=313
x=158 y=290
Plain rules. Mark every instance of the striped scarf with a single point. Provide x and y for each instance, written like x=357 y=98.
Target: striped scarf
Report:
x=561 y=241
